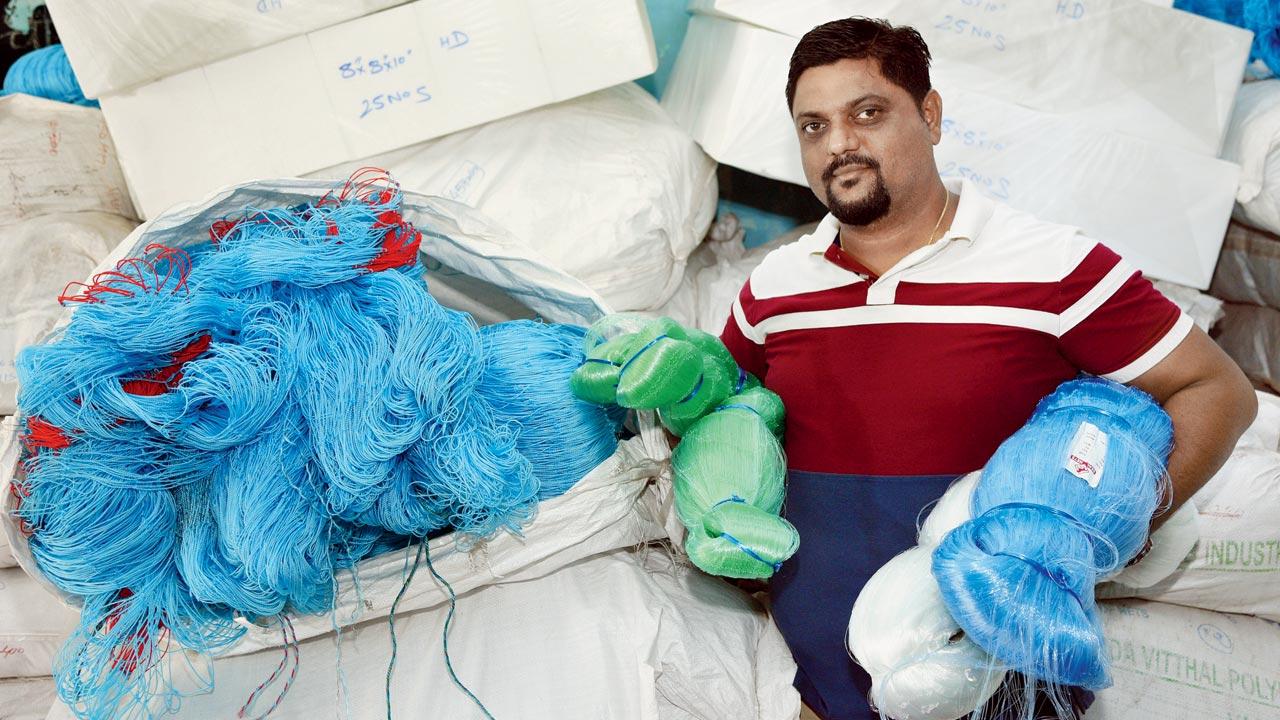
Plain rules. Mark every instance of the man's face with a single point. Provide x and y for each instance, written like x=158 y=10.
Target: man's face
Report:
x=863 y=140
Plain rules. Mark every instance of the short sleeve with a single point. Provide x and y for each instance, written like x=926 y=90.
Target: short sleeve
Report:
x=1116 y=324
x=742 y=340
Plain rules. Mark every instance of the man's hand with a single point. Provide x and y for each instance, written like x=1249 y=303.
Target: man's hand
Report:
x=1211 y=404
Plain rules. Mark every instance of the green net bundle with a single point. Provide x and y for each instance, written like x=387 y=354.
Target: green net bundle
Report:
x=729 y=467
x=730 y=481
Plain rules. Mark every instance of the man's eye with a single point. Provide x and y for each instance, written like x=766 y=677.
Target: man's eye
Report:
x=811 y=127
x=868 y=113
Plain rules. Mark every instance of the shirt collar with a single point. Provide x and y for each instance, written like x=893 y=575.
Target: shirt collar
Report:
x=835 y=254
x=973 y=210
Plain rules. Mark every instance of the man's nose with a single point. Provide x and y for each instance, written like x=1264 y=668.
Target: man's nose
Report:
x=842 y=139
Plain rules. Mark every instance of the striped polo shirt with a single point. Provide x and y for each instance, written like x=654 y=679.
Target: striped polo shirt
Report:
x=927 y=368
x=896 y=385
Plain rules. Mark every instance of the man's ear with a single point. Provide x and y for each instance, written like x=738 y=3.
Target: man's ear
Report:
x=931 y=111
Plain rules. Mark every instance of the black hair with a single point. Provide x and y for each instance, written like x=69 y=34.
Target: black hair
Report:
x=901 y=52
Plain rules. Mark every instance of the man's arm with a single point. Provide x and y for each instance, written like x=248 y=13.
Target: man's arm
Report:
x=1211 y=404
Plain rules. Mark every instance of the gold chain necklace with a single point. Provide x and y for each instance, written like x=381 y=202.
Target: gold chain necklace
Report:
x=945 y=206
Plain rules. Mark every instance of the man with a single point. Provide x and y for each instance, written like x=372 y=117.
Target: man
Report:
x=916 y=329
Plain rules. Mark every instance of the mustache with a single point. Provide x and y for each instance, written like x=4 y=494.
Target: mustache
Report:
x=845 y=161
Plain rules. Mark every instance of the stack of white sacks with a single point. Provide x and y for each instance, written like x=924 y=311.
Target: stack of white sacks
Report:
x=1102 y=115
x=1248 y=273
x=603 y=185
x=33 y=626
x=623 y=635
x=63 y=207
x=1185 y=645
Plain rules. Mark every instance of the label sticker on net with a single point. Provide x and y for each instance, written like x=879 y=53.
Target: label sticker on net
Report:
x=1088 y=454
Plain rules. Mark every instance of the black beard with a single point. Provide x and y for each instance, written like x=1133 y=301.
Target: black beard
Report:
x=865 y=211
x=861 y=212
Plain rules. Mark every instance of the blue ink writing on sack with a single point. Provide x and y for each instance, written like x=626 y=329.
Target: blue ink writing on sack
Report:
x=970 y=29
x=384 y=63
x=1070 y=9
x=383 y=101
x=971 y=137
x=454 y=40
x=985 y=5
x=460 y=184
x=998 y=185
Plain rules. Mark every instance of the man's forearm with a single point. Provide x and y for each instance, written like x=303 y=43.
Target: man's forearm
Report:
x=1208 y=419
x=1211 y=404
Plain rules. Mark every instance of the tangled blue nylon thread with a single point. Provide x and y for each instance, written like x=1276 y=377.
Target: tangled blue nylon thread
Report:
x=214 y=435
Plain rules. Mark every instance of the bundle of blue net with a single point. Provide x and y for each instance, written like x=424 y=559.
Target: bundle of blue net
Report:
x=46 y=73
x=1065 y=501
x=214 y=433
x=1262 y=17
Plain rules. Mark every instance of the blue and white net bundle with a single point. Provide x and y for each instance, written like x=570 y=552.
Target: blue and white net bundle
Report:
x=1004 y=576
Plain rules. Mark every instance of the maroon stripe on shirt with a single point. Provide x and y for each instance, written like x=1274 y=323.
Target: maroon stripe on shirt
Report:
x=1085 y=276
x=1041 y=296
x=907 y=399
x=1051 y=297
x=1122 y=330
x=845 y=296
